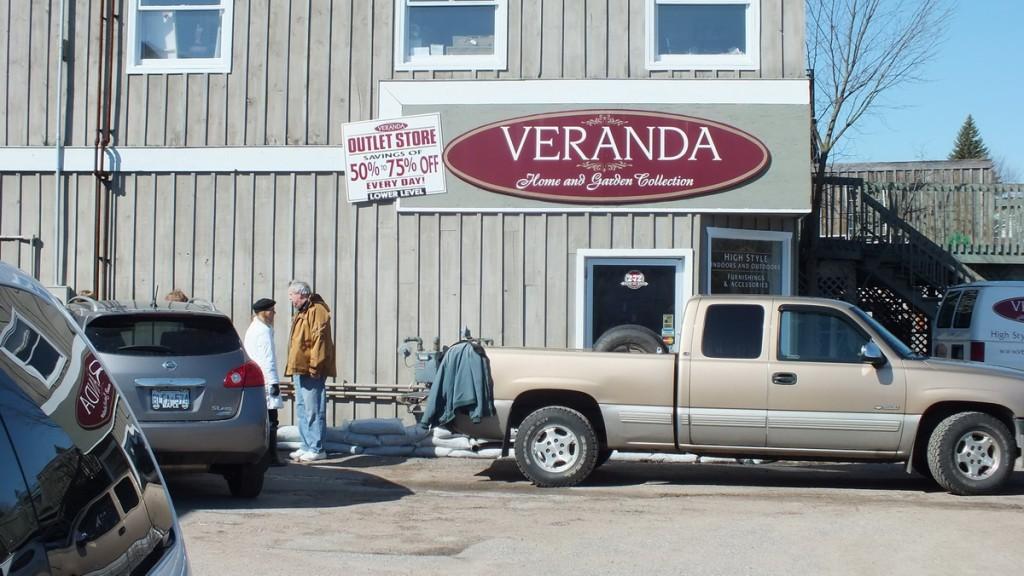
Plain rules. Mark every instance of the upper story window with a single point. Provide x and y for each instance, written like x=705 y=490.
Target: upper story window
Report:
x=451 y=34
x=167 y=36
x=703 y=34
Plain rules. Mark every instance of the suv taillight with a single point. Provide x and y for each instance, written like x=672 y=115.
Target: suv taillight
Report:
x=978 y=351
x=247 y=375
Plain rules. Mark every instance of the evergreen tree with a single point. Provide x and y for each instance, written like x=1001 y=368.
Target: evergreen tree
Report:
x=969 y=145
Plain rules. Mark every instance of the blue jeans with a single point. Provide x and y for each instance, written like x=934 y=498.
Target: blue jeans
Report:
x=311 y=412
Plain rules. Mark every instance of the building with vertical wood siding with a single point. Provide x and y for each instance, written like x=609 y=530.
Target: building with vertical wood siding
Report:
x=224 y=176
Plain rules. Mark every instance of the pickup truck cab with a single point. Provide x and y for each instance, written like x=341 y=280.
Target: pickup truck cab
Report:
x=763 y=377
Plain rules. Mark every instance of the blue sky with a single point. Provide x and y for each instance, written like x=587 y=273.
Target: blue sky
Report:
x=979 y=71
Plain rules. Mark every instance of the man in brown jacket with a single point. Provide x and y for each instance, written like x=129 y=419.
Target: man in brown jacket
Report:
x=310 y=363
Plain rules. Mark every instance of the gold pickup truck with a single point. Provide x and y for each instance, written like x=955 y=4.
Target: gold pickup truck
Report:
x=760 y=377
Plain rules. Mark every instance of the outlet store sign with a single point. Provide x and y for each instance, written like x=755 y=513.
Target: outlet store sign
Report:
x=606 y=156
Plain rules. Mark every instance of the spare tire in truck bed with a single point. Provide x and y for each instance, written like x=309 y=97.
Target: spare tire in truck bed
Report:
x=631 y=338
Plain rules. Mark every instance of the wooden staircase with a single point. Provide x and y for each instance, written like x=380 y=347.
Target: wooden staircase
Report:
x=860 y=251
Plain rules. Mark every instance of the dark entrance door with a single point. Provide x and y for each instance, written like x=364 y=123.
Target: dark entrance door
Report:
x=641 y=291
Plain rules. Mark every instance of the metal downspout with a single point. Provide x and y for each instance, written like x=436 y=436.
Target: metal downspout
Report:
x=58 y=205
x=104 y=99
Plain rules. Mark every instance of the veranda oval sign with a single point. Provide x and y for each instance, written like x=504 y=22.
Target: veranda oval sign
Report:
x=606 y=156
x=1012 y=308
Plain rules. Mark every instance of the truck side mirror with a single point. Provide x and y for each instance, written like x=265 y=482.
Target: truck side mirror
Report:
x=872 y=354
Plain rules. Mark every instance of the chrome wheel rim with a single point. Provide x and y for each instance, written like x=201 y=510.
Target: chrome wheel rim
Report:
x=977 y=455
x=555 y=448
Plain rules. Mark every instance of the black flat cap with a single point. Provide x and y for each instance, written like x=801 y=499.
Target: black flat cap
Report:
x=263 y=304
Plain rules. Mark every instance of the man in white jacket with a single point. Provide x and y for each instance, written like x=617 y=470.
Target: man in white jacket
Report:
x=259 y=345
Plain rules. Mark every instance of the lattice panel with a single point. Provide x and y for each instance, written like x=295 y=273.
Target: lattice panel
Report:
x=898 y=316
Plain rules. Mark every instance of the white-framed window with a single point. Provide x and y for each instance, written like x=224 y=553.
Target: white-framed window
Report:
x=703 y=34
x=170 y=36
x=23 y=344
x=748 y=262
x=451 y=34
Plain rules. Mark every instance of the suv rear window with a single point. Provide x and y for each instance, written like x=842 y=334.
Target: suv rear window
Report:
x=162 y=335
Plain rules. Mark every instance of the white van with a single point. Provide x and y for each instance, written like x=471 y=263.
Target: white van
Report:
x=983 y=322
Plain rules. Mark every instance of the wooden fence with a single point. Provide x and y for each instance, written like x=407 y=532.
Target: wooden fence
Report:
x=966 y=219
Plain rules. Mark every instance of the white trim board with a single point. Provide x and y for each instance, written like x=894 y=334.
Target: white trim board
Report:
x=266 y=159
x=396 y=94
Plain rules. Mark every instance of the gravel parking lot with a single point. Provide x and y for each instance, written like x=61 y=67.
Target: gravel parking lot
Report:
x=374 y=515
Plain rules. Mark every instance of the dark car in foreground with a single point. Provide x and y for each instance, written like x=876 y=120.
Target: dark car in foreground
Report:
x=183 y=370
x=80 y=492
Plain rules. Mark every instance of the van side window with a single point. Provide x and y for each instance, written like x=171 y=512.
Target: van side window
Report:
x=965 y=309
x=945 y=318
x=733 y=331
x=809 y=336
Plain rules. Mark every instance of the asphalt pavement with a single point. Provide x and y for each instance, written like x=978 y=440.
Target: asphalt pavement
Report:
x=376 y=515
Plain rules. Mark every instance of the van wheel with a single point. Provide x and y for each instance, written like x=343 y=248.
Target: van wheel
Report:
x=631 y=338
x=556 y=446
x=970 y=453
x=246 y=480
x=602 y=457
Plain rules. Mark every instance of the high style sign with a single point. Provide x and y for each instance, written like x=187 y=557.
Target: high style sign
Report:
x=606 y=156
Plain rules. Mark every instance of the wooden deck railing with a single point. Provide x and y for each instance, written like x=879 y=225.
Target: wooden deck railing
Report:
x=855 y=217
x=967 y=220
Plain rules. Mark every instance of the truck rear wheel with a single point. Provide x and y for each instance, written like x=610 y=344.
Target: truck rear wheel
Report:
x=556 y=446
x=631 y=338
x=971 y=453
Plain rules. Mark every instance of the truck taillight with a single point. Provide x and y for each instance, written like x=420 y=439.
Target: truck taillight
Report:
x=978 y=351
x=247 y=375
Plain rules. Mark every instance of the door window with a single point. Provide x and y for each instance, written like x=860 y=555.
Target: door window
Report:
x=642 y=294
x=810 y=336
x=733 y=331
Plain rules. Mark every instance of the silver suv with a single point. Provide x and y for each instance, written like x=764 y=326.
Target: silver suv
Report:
x=182 y=367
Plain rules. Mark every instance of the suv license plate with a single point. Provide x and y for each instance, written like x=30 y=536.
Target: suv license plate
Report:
x=170 y=400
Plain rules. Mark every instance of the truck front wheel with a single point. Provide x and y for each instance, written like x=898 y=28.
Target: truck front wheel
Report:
x=971 y=453
x=556 y=446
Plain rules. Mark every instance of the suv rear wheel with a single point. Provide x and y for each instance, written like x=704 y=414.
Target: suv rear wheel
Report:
x=970 y=453
x=246 y=480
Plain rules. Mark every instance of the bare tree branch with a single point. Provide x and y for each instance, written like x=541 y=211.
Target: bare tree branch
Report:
x=860 y=49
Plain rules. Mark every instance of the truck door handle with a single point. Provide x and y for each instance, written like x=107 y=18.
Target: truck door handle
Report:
x=784 y=378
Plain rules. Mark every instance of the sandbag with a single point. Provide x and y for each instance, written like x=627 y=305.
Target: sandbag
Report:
x=364 y=440
x=416 y=433
x=287 y=434
x=339 y=448
x=431 y=452
x=395 y=440
x=377 y=426
x=489 y=453
x=390 y=451
x=454 y=442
